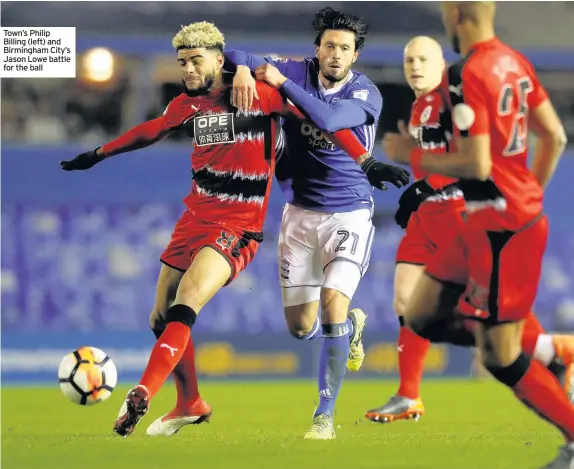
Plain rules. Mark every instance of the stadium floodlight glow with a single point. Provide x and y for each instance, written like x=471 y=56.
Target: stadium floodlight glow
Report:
x=98 y=64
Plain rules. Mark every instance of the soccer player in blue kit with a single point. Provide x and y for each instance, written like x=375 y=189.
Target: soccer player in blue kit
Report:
x=326 y=230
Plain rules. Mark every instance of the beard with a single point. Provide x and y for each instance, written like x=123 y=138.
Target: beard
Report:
x=204 y=88
x=455 y=42
x=335 y=77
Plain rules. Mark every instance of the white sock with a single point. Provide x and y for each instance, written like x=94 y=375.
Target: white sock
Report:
x=544 y=351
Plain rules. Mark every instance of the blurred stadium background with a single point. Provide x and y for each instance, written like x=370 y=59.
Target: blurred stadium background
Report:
x=80 y=251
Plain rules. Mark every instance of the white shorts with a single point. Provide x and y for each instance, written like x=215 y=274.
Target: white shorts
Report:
x=309 y=244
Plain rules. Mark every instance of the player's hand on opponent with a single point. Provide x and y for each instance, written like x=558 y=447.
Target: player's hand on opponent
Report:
x=270 y=74
x=83 y=161
x=378 y=173
x=244 y=89
x=399 y=146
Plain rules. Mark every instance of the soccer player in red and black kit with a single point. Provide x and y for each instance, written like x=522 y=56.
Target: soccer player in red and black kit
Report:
x=496 y=99
x=218 y=235
x=430 y=211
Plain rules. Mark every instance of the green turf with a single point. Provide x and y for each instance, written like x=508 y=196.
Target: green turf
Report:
x=260 y=425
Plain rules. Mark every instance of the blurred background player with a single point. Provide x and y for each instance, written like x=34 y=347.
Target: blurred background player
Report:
x=328 y=217
x=426 y=226
x=505 y=233
x=218 y=235
x=430 y=211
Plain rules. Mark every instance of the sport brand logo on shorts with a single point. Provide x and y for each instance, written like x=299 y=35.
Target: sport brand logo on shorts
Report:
x=285 y=265
x=214 y=129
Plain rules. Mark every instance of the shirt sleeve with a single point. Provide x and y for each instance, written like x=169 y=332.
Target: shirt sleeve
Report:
x=368 y=97
x=233 y=58
x=345 y=113
x=149 y=132
x=174 y=113
x=539 y=93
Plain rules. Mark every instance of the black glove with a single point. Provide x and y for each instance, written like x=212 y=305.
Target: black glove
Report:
x=378 y=173
x=83 y=161
x=410 y=201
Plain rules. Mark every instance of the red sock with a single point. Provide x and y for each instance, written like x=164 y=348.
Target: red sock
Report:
x=186 y=378
x=165 y=355
x=540 y=390
x=412 y=354
x=532 y=329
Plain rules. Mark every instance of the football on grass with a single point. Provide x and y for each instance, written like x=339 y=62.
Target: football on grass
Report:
x=87 y=376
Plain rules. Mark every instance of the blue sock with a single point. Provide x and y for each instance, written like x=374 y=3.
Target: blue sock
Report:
x=350 y=326
x=317 y=333
x=332 y=365
x=314 y=333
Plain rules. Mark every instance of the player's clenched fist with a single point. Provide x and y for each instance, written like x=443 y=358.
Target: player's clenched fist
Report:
x=83 y=161
x=270 y=74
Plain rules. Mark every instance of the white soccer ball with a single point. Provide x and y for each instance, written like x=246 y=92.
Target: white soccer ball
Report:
x=87 y=376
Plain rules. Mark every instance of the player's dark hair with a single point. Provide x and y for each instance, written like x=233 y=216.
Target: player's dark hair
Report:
x=328 y=18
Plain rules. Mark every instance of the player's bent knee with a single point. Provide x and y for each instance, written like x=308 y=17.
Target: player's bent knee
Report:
x=425 y=327
x=343 y=276
x=300 y=332
x=181 y=313
x=406 y=278
x=433 y=317
x=302 y=319
x=511 y=374
x=157 y=322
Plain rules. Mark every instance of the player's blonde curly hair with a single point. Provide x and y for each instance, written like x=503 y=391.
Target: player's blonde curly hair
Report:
x=200 y=34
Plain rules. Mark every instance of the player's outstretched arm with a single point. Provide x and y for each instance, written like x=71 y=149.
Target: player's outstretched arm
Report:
x=141 y=136
x=377 y=172
x=343 y=114
x=243 y=63
x=472 y=160
x=551 y=141
x=236 y=60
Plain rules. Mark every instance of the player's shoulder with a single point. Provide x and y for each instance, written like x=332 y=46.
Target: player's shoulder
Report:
x=175 y=104
x=362 y=87
x=292 y=64
x=523 y=61
x=359 y=80
x=306 y=61
x=179 y=98
x=434 y=99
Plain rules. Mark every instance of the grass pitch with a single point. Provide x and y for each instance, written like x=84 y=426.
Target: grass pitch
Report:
x=261 y=425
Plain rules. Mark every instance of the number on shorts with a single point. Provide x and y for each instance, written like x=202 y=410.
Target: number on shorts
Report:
x=344 y=237
x=225 y=240
x=517 y=142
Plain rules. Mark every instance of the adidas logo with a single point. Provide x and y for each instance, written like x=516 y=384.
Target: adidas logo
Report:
x=325 y=393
